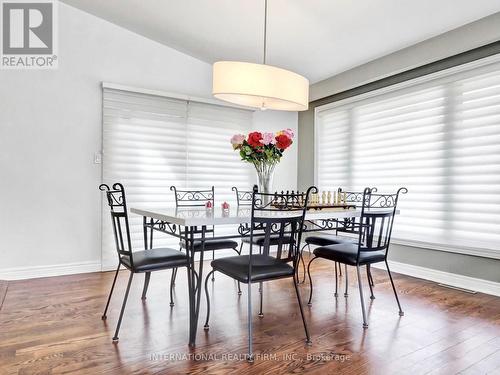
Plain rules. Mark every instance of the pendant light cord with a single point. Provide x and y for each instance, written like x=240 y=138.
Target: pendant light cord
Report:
x=265 y=30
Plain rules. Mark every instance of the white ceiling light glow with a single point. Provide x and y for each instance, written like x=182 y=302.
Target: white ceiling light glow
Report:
x=260 y=85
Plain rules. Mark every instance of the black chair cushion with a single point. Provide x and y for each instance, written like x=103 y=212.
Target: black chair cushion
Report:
x=347 y=253
x=211 y=244
x=273 y=241
x=155 y=259
x=328 y=239
x=264 y=267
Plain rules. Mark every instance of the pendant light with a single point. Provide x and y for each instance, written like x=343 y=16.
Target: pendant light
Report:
x=260 y=85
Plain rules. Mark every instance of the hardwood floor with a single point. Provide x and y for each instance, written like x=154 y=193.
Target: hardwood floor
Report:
x=53 y=325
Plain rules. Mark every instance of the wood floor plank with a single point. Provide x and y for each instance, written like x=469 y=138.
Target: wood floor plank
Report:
x=4 y=285
x=53 y=326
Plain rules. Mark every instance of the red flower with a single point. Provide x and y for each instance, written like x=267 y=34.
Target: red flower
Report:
x=255 y=139
x=283 y=141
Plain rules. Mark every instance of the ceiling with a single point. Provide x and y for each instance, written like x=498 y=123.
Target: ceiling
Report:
x=316 y=38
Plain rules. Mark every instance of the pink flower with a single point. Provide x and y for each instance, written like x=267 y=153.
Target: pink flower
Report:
x=268 y=139
x=289 y=132
x=237 y=140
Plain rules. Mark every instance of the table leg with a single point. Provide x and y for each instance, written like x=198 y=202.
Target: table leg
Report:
x=145 y=231
x=188 y=236
x=195 y=285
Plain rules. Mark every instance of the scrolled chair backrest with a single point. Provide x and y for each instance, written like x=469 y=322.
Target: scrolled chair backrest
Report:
x=378 y=211
x=350 y=224
x=354 y=197
x=280 y=215
x=117 y=203
x=192 y=197
x=243 y=197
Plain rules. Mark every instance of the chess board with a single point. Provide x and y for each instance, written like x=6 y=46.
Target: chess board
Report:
x=319 y=206
x=331 y=207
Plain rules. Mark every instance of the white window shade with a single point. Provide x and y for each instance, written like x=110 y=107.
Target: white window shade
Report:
x=440 y=138
x=152 y=142
x=211 y=159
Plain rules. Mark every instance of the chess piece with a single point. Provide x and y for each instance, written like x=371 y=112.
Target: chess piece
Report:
x=323 y=198
x=329 y=197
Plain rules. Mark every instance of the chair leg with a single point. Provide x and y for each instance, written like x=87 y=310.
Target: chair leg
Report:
x=401 y=312
x=303 y=269
x=308 y=338
x=340 y=270
x=115 y=337
x=368 y=276
x=369 y=270
x=301 y=259
x=206 y=326
x=261 y=292
x=213 y=257
x=310 y=281
x=250 y=357
x=360 y=285
x=197 y=281
x=103 y=317
x=336 y=294
x=260 y=252
x=172 y=283
x=239 y=253
x=174 y=276
x=147 y=276
x=175 y=269
x=346 y=281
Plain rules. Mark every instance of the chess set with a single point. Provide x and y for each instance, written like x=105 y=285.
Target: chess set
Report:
x=326 y=200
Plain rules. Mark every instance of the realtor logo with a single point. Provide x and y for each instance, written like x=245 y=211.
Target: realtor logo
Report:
x=28 y=34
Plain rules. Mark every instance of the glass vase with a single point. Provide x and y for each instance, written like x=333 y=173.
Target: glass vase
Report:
x=265 y=173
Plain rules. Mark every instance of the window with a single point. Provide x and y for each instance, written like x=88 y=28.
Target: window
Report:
x=439 y=136
x=152 y=142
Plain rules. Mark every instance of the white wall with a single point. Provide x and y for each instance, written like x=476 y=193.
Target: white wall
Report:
x=50 y=127
x=475 y=34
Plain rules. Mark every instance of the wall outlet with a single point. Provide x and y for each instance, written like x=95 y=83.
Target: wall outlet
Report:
x=97 y=158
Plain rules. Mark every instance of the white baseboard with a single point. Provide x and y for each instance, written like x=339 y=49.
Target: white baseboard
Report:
x=460 y=281
x=20 y=273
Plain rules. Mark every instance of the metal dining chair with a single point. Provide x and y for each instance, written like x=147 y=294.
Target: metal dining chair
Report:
x=244 y=198
x=375 y=228
x=144 y=261
x=276 y=216
x=198 y=198
x=347 y=226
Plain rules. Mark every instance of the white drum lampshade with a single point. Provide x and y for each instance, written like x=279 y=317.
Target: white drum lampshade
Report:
x=260 y=86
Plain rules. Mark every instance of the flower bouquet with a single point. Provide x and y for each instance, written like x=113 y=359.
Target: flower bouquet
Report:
x=264 y=151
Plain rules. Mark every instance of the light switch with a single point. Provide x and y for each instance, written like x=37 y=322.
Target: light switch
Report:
x=97 y=158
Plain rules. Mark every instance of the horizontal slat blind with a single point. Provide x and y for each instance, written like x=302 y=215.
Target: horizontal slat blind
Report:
x=152 y=142
x=440 y=139
x=211 y=159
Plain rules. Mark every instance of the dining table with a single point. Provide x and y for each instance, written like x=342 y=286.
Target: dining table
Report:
x=194 y=223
